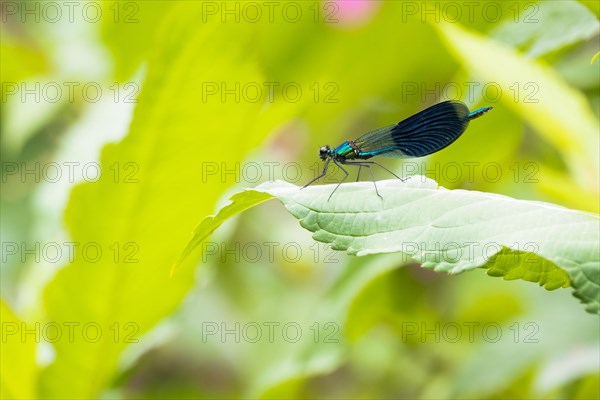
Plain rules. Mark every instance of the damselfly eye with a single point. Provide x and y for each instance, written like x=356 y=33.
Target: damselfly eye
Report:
x=324 y=152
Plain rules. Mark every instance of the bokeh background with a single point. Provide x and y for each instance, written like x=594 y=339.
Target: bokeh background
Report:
x=124 y=124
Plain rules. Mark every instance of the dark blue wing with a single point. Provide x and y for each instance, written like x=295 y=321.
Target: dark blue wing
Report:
x=419 y=135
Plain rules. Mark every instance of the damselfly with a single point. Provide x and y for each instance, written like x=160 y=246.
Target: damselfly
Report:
x=424 y=133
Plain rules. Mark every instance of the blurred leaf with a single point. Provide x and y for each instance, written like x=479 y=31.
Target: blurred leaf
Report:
x=19 y=61
x=559 y=113
x=320 y=357
x=130 y=29
x=574 y=363
x=378 y=301
x=554 y=352
x=496 y=368
x=587 y=388
x=353 y=293
x=18 y=369
x=592 y=5
x=489 y=141
x=562 y=189
x=140 y=217
x=291 y=376
x=548 y=26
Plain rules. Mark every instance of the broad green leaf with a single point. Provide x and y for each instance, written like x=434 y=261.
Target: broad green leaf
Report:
x=18 y=369
x=558 y=112
x=454 y=230
x=140 y=217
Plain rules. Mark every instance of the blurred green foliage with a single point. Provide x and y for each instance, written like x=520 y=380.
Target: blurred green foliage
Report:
x=367 y=57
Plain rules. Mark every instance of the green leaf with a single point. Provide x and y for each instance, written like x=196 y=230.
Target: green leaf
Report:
x=149 y=197
x=454 y=230
x=126 y=30
x=530 y=267
x=239 y=202
x=18 y=369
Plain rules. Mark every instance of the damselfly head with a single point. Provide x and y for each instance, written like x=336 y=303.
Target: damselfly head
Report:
x=324 y=152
